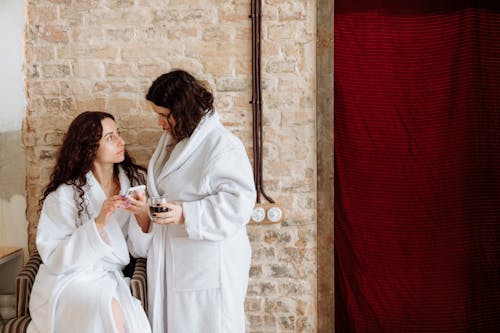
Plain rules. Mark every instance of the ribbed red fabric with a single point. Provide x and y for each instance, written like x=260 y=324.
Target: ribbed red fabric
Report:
x=417 y=166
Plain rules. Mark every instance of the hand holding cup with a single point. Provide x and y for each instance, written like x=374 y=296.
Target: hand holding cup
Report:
x=163 y=212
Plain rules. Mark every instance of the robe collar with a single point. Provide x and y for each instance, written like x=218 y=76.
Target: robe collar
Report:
x=182 y=151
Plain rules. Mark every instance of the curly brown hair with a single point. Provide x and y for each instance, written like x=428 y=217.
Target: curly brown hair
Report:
x=78 y=152
x=188 y=100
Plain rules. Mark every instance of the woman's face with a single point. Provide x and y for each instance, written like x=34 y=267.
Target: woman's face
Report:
x=165 y=121
x=111 y=146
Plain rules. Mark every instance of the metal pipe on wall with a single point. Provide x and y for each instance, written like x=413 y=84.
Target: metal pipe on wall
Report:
x=257 y=100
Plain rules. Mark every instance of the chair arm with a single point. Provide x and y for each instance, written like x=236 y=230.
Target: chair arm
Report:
x=16 y=325
x=138 y=283
x=24 y=283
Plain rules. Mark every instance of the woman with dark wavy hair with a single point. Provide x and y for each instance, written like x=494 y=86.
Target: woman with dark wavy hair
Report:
x=85 y=233
x=199 y=260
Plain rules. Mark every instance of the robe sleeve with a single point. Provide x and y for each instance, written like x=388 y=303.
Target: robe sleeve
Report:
x=138 y=241
x=220 y=215
x=63 y=245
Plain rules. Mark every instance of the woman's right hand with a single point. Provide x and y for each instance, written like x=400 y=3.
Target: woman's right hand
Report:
x=109 y=206
x=140 y=208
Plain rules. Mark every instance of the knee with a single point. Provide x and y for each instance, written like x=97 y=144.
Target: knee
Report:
x=118 y=316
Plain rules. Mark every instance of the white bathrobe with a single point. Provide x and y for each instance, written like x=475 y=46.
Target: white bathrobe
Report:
x=198 y=272
x=81 y=270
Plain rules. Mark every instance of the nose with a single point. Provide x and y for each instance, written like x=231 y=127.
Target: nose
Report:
x=121 y=142
x=159 y=121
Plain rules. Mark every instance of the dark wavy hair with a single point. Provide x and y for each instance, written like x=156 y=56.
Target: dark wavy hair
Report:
x=188 y=100
x=78 y=152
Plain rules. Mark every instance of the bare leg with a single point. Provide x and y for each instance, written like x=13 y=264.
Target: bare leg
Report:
x=118 y=316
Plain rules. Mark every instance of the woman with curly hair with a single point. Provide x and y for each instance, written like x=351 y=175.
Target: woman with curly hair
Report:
x=199 y=260
x=86 y=232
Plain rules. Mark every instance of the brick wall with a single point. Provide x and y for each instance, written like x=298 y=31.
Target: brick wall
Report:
x=103 y=54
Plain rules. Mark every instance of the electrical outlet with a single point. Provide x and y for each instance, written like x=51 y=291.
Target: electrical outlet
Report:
x=274 y=214
x=266 y=213
x=259 y=214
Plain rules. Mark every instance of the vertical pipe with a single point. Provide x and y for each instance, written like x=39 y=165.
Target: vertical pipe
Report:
x=257 y=99
x=254 y=101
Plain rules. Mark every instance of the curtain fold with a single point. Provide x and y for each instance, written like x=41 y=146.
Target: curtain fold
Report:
x=417 y=166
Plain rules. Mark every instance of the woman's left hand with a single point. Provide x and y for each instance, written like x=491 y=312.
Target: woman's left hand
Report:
x=174 y=215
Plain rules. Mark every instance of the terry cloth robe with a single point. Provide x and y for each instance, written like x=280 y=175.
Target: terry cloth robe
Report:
x=198 y=272
x=82 y=268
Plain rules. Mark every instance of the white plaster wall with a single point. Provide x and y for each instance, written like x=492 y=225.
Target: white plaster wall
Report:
x=13 y=225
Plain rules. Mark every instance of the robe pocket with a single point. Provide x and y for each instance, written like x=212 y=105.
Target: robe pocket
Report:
x=195 y=264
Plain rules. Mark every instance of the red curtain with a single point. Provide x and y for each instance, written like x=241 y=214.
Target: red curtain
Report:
x=417 y=166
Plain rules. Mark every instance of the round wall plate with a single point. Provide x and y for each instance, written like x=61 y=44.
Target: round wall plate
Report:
x=259 y=214
x=274 y=214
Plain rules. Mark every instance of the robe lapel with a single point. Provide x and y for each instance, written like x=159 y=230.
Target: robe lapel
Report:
x=181 y=153
x=96 y=197
x=155 y=164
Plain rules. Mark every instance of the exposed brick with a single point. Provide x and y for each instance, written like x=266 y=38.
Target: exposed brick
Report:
x=280 y=305
x=96 y=104
x=264 y=322
x=253 y=304
x=274 y=236
x=89 y=69
x=235 y=13
x=262 y=288
x=119 y=70
x=215 y=34
x=232 y=84
x=39 y=14
x=88 y=34
x=121 y=35
x=119 y=3
x=119 y=104
x=55 y=34
x=53 y=138
x=286 y=322
x=281 y=271
x=285 y=31
x=256 y=271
